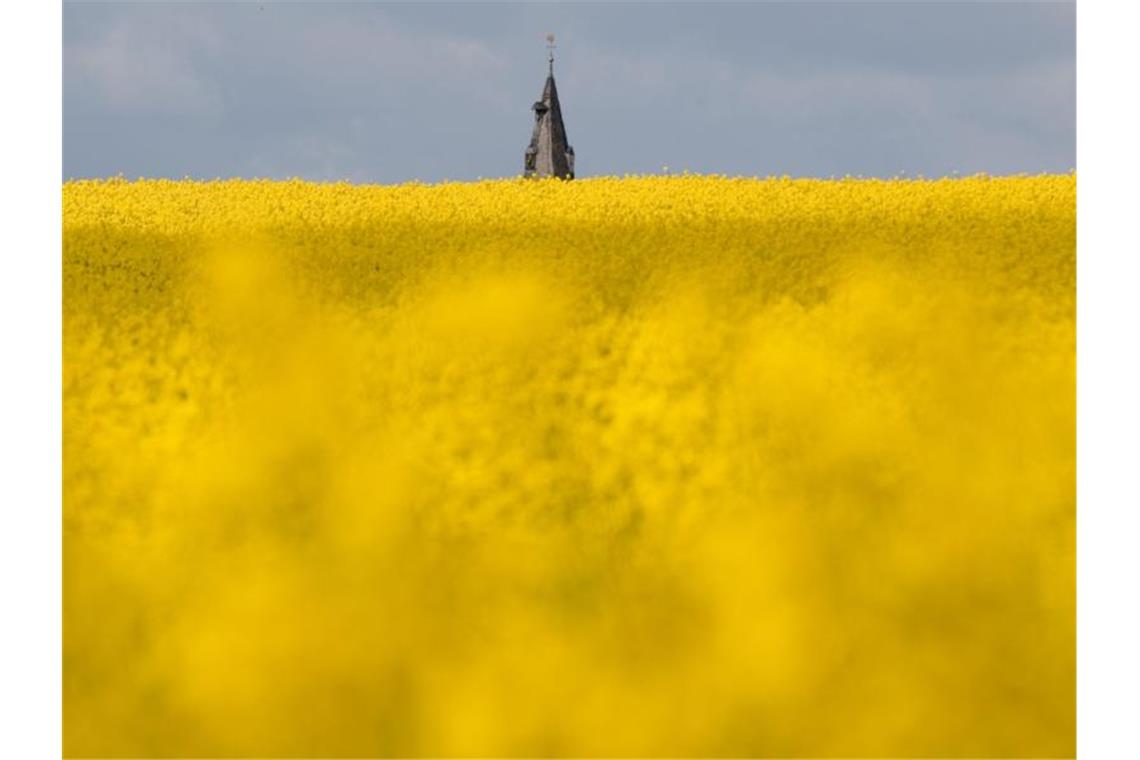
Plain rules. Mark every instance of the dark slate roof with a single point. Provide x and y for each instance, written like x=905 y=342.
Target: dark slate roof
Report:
x=549 y=153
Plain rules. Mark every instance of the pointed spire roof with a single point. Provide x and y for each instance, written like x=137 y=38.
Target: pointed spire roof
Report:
x=549 y=153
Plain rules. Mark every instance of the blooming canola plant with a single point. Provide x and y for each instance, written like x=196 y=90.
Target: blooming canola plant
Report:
x=725 y=467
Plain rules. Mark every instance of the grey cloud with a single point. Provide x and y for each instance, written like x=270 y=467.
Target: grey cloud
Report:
x=138 y=66
x=388 y=93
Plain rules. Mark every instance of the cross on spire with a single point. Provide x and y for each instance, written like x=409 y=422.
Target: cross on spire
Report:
x=549 y=153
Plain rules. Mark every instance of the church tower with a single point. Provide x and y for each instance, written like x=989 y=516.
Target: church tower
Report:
x=549 y=153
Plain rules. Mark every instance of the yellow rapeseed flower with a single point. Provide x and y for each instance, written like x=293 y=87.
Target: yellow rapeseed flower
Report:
x=658 y=466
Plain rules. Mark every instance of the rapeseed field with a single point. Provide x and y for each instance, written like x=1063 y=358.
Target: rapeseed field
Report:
x=647 y=466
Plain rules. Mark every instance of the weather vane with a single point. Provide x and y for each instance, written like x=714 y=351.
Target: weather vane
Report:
x=550 y=49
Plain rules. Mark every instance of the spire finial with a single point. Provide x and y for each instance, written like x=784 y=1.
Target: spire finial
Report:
x=550 y=51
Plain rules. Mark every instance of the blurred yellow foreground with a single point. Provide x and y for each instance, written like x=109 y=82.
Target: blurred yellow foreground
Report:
x=674 y=466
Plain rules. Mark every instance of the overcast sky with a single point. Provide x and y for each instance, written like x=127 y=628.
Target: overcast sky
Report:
x=395 y=92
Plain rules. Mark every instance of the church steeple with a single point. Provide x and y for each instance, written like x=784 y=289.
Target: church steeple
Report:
x=549 y=153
